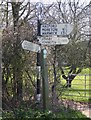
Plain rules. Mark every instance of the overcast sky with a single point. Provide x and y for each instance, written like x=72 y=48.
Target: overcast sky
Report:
x=51 y=1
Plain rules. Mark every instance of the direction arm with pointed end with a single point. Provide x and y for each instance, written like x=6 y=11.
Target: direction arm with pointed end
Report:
x=56 y=29
x=30 y=46
x=54 y=40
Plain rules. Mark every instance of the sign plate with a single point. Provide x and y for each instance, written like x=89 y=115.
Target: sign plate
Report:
x=30 y=46
x=54 y=40
x=49 y=29
x=56 y=29
x=64 y=29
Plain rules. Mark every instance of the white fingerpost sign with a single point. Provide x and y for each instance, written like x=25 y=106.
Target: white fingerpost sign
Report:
x=30 y=46
x=64 y=29
x=54 y=40
x=56 y=29
x=48 y=29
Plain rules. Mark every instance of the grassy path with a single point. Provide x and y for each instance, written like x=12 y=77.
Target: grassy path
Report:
x=81 y=106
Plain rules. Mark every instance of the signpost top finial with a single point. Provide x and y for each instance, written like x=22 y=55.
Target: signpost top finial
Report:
x=39 y=10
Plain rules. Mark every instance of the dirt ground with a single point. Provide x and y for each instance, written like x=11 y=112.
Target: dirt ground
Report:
x=81 y=106
x=87 y=112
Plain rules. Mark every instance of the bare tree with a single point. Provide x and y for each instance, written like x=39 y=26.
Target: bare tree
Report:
x=13 y=62
x=73 y=12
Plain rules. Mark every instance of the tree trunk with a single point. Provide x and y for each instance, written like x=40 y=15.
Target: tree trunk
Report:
x=54 y=94
x=71 y=75
x=68 y=83
x=17 y=91
x=54 y=86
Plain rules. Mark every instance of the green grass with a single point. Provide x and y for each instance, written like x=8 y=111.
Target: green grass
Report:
x=80 y=89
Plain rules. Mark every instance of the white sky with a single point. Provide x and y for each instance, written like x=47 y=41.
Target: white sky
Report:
x=51 y=1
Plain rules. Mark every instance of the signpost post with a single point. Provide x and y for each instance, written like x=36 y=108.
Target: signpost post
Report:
x=45 y=93
x=39 y=7
x=45 y=84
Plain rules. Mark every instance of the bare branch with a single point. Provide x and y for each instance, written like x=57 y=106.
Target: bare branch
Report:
x=28 y=11
x=30 y=78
